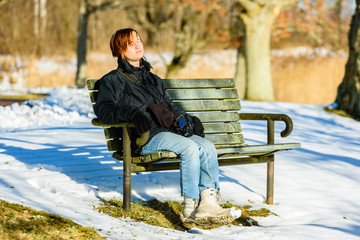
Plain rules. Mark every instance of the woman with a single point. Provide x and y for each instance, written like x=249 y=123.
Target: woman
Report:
x=133 y=93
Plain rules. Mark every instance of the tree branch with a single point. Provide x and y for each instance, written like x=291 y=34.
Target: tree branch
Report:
x=105 y=5
x=4 y=1
x=248 y=5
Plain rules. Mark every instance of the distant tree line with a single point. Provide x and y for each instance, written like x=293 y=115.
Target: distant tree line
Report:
x=43 y=27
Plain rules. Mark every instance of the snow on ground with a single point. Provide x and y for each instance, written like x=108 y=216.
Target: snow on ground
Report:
x=51 y=158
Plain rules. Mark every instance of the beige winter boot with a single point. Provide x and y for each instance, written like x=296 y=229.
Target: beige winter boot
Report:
x=190 y=207
x=209 y=211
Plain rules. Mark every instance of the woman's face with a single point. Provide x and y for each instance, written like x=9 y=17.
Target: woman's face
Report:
x=135 y=50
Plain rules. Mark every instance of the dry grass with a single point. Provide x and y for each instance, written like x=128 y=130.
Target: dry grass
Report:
x=19 y=222
x=304 y=80
x=167 y=214
x=296 y=79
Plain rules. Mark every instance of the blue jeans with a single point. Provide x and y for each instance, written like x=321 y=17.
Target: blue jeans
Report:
x=199 y=168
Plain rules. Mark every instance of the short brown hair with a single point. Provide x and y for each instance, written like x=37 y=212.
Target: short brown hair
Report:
x=120 y=40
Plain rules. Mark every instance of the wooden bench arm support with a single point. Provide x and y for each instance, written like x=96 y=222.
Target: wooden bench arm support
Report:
x=141 y=141
x=270 y=118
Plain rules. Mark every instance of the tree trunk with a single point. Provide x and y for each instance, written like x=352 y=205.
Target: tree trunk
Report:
x=181 y=57
x=36 y=17
x=40 y=21
x=338 y=8
x=172 y=70
x=240 y=72
x=186 y=38
x=81 y=72
x=348 y=97
x=86 y=8
x=257 y=52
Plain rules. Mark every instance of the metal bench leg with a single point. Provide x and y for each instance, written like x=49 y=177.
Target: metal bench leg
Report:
x=270 y=164
x=270 y=181
x=126 y=170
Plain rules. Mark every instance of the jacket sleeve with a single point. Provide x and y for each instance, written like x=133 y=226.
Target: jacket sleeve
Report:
x=107 y=108
x=167 y=98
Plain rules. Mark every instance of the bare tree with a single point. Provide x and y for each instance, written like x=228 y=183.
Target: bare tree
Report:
x=190 y=22
x=194 y=28
x=86 y=9
x=237 y=35
x=348 y=97
x=340 y=18
x=258 y=17
x=4 y=1
x=153 y=17
x=40 y=22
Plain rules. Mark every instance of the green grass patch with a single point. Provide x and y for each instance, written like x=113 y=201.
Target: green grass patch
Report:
x=20 y=222
x=167 y=214
x=247 y=213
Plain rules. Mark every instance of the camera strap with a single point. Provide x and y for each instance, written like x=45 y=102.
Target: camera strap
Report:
x=137 y=82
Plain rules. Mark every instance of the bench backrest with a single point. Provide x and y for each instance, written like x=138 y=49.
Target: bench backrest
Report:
x=214 y=101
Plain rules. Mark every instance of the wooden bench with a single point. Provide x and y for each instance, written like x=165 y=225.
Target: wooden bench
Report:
x=216 y=103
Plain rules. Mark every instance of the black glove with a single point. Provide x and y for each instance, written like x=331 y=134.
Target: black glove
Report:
x=198 y=126
x=142 y=123
x=183 y=126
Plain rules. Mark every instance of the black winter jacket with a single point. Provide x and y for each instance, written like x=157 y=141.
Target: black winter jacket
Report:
x=119 y=98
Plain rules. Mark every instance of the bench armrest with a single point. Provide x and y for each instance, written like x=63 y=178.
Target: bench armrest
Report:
x=142 y=140
x=270 y=118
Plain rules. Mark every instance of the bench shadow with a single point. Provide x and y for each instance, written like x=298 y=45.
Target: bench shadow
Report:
x=351 y=228
x=89 y=164
x=224 y=178
x=93 y=166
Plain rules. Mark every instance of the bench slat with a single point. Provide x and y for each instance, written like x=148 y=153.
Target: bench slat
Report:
x=91 y=84
x=114 y=145
x=199 y=83
x=217 y=139
x=165 y=165
x=234 y=154
x=222 y=128
x=185 y=83
x=113 y=132
x=255 y=150
x=93 y=96
x=163 y=156
x=210 y=128
x=192 y=94
x=214 y=117
x=168 y=155
x=210 y=105
x=226 y=139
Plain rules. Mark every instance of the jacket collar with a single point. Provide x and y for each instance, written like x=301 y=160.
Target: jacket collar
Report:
x=128 y=68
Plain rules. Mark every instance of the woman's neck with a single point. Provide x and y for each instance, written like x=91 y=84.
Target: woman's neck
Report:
x=134 y=63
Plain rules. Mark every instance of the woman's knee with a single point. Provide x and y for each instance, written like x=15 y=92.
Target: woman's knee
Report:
x=189 y=147
x=208 y=147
